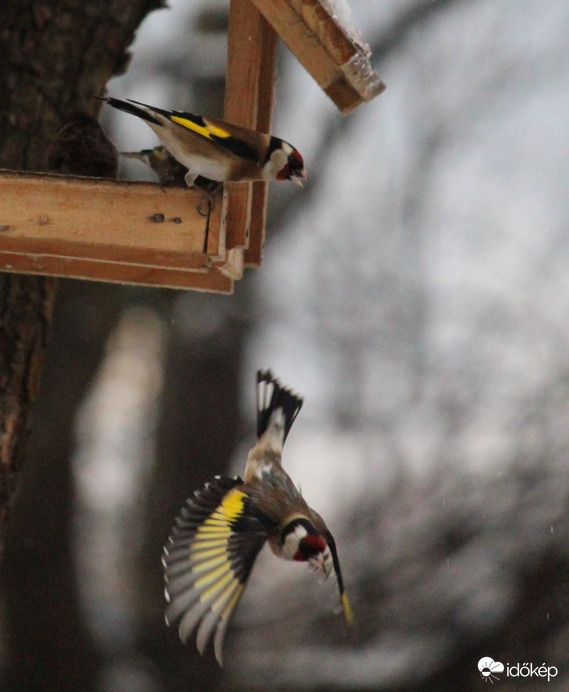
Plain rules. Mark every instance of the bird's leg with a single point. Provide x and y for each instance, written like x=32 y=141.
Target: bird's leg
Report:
x=210 y=190
x=190 y=178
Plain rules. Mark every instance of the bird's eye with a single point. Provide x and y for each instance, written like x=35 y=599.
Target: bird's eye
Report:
x=293 y=163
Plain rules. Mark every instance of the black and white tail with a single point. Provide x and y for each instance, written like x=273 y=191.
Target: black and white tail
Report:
x=271 y=396
x=133 y=108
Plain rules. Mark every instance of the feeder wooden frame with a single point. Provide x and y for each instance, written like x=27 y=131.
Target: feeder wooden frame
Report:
x=140 y=233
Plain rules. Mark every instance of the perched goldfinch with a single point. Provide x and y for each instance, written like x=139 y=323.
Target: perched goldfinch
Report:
x=161 y=161
x=217 y=150
x=222 y=527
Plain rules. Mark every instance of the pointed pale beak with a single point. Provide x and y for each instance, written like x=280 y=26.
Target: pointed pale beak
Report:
x=298 y=180
x=319 y=562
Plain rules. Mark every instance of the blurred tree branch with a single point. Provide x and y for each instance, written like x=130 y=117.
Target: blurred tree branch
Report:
x=409 y=19
x=382 y=46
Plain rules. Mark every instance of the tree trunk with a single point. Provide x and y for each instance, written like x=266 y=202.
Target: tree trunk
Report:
x=26 y=306
x=56 y=57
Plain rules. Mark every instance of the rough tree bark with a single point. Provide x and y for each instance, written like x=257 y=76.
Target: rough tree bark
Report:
x=25 y=309
x=56 y=58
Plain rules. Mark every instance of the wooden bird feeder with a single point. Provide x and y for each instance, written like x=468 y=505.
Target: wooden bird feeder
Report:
x=132 y=232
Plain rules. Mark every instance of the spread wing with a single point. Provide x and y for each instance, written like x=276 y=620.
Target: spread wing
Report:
x=208 y=558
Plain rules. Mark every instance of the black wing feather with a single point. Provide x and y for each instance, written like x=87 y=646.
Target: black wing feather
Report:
x=233 y=144
x=271 y=395
x=208 y=558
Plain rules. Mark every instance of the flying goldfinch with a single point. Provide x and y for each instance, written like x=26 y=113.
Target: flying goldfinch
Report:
x=222 y=527
x=217 y=150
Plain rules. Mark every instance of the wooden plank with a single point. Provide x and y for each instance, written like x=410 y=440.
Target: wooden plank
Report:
x=90 y=218
x=233 y=266
x=248 y=102
x=253 y=255
x=265 y=103
x=207 y=280
x=236 y=214
x=113 y=254
x=243 y=61
x=215 y=245
x=336 y=60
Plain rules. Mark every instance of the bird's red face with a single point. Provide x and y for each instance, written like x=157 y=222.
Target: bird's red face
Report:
x=310 y=547
x=293 y=169
x=303 y=543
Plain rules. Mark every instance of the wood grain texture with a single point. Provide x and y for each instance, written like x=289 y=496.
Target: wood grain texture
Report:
x=249 y=99
x=335 y=59
x=266 y=100
x=56 y=57
x=120 y=222
x=211 y=280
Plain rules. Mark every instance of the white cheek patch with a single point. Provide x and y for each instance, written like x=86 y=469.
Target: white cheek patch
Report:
x=290 y=545
x=278 y=160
